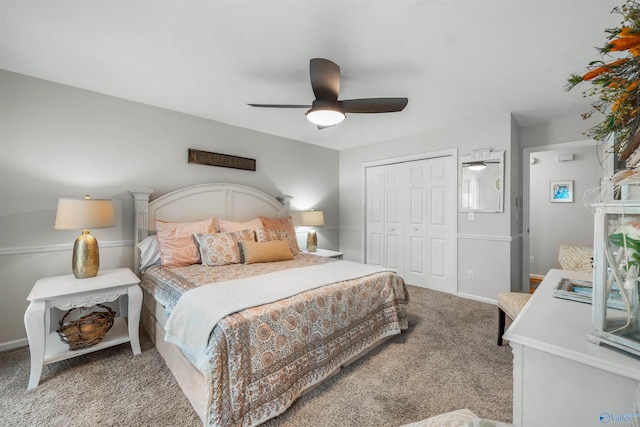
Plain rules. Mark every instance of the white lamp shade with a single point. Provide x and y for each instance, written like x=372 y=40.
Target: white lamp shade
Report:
x=312 y=218
x=79 y=214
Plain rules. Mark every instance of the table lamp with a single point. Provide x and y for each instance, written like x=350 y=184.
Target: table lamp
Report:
x=82 y=214
x=312 y=219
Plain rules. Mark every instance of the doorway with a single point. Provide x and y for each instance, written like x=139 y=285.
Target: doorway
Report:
x=547 y=224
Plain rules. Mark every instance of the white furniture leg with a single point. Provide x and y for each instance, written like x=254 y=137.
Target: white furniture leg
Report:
x=34 y=320
x=135 y=306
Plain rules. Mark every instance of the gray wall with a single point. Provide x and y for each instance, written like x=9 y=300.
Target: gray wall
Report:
x=552 y=224
x=484 y=244
x=492 y=244
x=59 y=141
x=547 y=136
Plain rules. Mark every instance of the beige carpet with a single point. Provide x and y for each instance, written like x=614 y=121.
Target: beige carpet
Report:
x=447 y=360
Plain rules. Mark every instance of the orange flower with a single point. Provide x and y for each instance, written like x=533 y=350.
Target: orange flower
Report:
x=624 y=43
x=633 y=86
x=627 y=32
x=600 y=70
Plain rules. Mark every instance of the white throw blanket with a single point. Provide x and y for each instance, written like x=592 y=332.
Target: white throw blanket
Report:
x=199 y=310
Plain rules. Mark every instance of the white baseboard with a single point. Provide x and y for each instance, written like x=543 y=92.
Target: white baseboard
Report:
x=477 y=298
x=13 y=344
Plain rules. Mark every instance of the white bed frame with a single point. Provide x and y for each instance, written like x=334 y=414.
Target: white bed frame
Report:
x=224 y=201
x=230 y=202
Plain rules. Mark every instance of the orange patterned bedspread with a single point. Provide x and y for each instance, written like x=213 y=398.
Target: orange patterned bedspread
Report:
x=264 y=357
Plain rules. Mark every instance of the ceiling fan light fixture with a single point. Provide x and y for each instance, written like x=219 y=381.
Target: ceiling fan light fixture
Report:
x=477 y=166
x=325 y=116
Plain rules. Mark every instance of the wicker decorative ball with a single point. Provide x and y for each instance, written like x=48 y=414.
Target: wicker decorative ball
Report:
x=87 y=330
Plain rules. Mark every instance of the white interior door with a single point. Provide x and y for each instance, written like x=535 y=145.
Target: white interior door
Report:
x=394 y=222
x=416 y=210
x=375 y=216
x=441 y=214
x=413 y=233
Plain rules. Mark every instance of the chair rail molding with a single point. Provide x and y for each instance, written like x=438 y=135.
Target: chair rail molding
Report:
x=25 y=250
x=494 y=238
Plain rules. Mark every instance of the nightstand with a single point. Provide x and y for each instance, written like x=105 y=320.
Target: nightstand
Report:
x=326 y=253
x=67 y=292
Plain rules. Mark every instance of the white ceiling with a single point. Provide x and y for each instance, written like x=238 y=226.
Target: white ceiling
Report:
x=456 y=61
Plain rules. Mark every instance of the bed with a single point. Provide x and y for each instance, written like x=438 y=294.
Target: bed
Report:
x=247 y=333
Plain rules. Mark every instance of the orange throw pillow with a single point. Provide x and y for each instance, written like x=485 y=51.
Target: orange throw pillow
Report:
x=275 y=250
x=228 y=226
x=177 y=245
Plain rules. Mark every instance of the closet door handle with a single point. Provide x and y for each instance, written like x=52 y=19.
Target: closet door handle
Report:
x=415 y=229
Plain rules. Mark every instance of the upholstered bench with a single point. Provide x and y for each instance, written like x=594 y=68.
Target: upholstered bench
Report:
x=510 y=304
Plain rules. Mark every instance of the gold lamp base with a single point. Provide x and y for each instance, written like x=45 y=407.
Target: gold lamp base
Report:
x=312 y=241
x=86 y=257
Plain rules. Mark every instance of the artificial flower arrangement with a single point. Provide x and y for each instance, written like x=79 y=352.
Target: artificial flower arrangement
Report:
x=614 y=80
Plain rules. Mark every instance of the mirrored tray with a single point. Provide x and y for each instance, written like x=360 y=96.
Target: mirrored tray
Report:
x=582 y=291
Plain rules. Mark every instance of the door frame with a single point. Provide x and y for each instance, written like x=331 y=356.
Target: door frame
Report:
x=526 y=201
x=453 y=153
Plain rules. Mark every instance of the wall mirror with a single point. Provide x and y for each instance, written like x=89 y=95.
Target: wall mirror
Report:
x=482 y=182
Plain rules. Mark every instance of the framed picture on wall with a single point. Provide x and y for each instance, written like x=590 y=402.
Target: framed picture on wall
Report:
x=561 y=192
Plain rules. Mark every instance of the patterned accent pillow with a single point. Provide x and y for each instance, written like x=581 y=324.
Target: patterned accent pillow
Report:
x=227 y=226
x=267 y=235
x=282 y=224
x=459 y=418
x=222 y=248
x=576 y=258
x=177 y=247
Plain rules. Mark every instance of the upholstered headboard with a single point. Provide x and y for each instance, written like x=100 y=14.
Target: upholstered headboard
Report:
x=230 y=202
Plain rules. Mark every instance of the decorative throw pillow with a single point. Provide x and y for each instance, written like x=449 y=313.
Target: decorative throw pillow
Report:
x=276 y=250
x=576 y=258
x=149 y=252
x=267 y=235
x=227 y=226
x=282 y=224
x=222 y=248
x=175 y=239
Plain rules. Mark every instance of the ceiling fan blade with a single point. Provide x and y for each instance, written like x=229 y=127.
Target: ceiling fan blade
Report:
x=325 y=79
x=280 y=105
x=373 y=105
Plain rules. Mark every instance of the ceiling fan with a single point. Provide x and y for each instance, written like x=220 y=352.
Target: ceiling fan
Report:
x=326 y=110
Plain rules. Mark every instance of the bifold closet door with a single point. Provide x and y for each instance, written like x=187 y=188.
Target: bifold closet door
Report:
x=429 y=261
x=374 y=208
x=385 y=216
x=409 y=220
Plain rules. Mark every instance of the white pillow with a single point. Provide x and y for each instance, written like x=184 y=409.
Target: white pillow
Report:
x=149 y=252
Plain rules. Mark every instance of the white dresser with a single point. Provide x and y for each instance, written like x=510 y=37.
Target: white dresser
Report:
x=559 y=378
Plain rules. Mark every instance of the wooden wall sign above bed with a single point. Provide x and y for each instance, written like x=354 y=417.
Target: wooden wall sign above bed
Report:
x=223 y=160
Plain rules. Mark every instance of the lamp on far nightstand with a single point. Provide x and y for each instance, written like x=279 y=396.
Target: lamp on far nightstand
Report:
x=312 y=219
x=82 y=214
